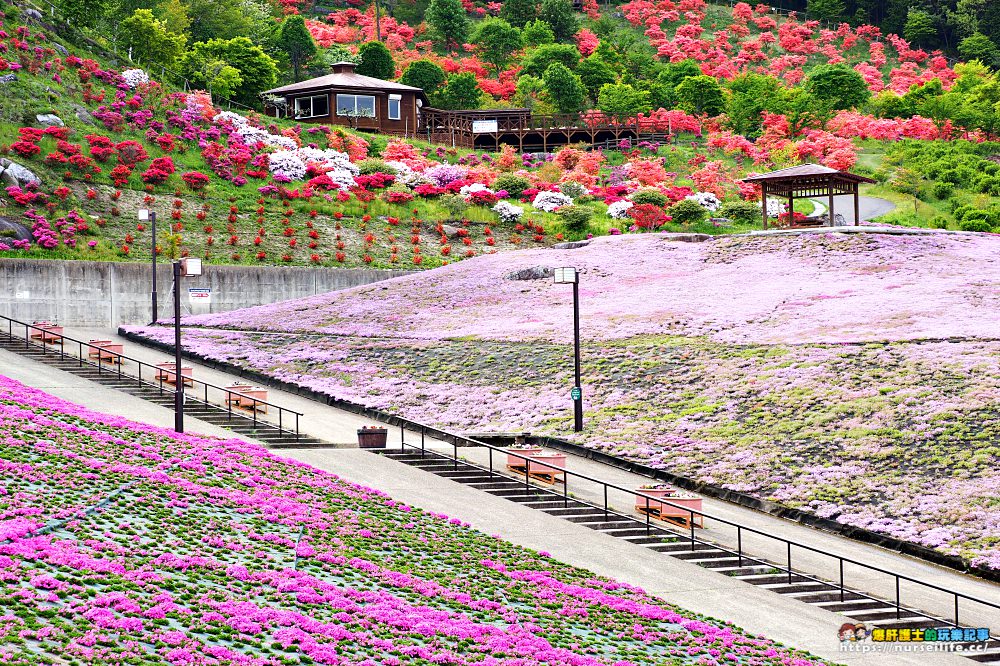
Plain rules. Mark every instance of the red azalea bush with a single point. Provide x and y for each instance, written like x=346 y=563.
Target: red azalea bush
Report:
x=375 y=181
x=398 y=197
x=195 y=180
x=25 y=148
x=482 y=198
x=120 y=175
x=648 y=216
x=131 y=153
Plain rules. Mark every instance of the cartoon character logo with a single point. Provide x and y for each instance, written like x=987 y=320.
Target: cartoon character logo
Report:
x=846 y=633
x=860 y=632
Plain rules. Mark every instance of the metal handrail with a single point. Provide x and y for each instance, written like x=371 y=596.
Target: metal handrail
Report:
x=740 y=529
x=160 y=374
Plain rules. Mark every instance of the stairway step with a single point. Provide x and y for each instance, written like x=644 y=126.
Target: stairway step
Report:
x=800 y=588
x=705 y=555
x=598 y=517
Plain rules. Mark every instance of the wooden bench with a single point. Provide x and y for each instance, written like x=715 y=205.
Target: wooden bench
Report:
x=167 y=372
x=106 y=350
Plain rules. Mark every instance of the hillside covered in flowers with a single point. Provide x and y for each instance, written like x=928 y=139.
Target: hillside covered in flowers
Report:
x=121 y=542
x=853 y=376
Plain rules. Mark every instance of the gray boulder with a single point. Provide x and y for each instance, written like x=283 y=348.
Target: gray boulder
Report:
x=83 y=115
x=28 y=12
x=449 y=230
x=12 y=173
x=8 y=78
x=533 y=273
x=60 y=48
x=49 y=120
x=571 y=245
x=687 y=238
x=13 y=230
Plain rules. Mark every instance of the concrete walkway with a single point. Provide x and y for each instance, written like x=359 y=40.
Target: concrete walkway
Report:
x=685 y=584
x=869 y=207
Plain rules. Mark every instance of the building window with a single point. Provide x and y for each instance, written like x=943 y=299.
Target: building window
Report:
x=360 y=106
x=394 y=102
x=312 y=107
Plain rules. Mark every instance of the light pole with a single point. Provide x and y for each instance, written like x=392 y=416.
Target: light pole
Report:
x=146 y=214
x=569 y=275
x=187 y=267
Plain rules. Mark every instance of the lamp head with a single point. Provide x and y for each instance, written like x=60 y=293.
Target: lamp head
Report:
x=190 y=267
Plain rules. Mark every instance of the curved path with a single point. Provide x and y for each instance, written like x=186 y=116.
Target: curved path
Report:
x=869 y=207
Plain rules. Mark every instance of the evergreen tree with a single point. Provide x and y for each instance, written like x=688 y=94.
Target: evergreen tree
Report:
x=448 y=22
x=825 y=10
x=462 y=92
x=560 y=16
x=496 y=40
x=295 y=41
x=376 y=61
x=536 y=33
x=838 y=85
x=519 y=12
x=622 y=100
x=595 y=72
x=424 y=74
x=701 y=95
x=564 y=88
x=978 y=46
x=919 y=28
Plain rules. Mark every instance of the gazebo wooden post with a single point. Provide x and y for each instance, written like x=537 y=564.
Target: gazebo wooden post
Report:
x=857 y=206
x=763 y=202
x=791 y=204
x=833 y=220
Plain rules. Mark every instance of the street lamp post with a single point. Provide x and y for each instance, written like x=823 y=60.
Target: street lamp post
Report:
x=187 y=267
x=570 y=275
x=145 y=214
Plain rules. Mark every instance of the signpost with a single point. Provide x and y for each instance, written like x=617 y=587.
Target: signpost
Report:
x=200 y=295
x=569 y=275
x=484 y=127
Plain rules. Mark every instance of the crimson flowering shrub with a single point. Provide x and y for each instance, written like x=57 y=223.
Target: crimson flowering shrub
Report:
x=195 y=180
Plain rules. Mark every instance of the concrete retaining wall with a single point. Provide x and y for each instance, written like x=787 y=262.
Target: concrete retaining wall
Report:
x=92 y=293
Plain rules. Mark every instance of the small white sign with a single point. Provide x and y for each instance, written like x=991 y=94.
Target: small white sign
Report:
x=22 y=295
x=200 y=295
x=484 y=126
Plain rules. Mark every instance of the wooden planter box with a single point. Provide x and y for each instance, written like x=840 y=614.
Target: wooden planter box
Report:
x=674 y=514
x=167 y=372
x=514 y=461
x=372 y=438
x=547 y=463
x=106 y=350
x=251 y=399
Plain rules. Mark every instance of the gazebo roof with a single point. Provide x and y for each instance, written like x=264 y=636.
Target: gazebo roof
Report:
x=807 y=174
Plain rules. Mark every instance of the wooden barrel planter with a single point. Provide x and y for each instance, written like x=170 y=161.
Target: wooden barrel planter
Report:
x=372 y=438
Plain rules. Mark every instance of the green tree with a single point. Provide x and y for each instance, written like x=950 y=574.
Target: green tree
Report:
x=978 y=46
x=965 y=19
x=295 y=41
x=174 y=15
x=838 y=85
x=222 y=79
x=530 y=94
x=376 y=61
x=149 y=40
x=224 y=19
x=560 y=16
x=825 y=10
x=564 y=88
x=83 y=13
x=622 y=100
x=749 y=96
x=538 y=59
x=257 y=69
x=424 y=74
x=448 y=22
x=701 y=95
x=919 y=28
x=673 y=74
x=537 y=32
x=519 y=12
x=496 y=40
x=595 y=72
x=462 y=92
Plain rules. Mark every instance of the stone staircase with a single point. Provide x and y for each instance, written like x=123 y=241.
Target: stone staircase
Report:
x=676 y=543
x=122 y=380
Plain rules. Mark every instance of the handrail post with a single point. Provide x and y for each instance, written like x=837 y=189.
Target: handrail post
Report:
x=491 y=461
x=956 y=609
x=841 y=579
x=454 y=448
x=691 y=524
x=254 y=407
x=606 y=502
x=739 y=545
x=296 y=424
x=647 y=516
x=422 y=432
x=898 y=613
x=565 y=490
x=402 y=439
x=789 y=545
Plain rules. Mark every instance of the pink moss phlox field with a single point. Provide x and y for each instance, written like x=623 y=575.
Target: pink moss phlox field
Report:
x=820 y=288
x=852 y=376
x=126 y=543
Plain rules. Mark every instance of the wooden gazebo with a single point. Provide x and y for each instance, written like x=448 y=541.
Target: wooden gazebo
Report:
x=808 y=181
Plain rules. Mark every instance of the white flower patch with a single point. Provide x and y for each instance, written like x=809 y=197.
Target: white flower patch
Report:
x=508 y=212
x=706 y=200
x=549 y=201
x=619 y=209
x=292 y=164
x=474 y=187
x=775 y=208
x=287 y=163
x=135 y=77
x=407 y=176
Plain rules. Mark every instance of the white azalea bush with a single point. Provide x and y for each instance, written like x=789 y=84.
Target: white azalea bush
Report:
x=135 y=77
x=508 y=212
x=549 y=201
x=250 y=134
x=473 y=188
x=619 y=209
x=406 y=175
x=292 y=164
x=775 y=208
x=706 y=200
